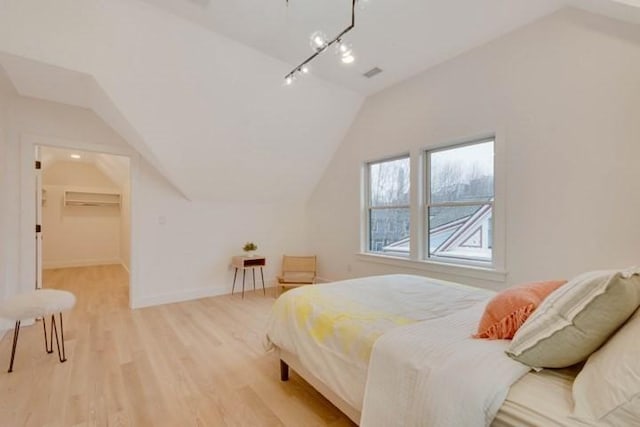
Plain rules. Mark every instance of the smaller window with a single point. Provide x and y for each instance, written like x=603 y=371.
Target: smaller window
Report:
x=388 y=207
x=460 y=199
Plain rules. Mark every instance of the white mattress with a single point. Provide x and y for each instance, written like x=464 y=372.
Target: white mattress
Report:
x=540 y=399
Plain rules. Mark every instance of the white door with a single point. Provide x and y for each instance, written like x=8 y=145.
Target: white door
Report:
x=38 y=228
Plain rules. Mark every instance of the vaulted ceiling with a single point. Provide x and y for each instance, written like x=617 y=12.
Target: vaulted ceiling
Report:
x=402 y=37
x=196 y=85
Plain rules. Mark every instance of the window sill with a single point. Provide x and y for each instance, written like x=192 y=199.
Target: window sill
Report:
x=470 y=271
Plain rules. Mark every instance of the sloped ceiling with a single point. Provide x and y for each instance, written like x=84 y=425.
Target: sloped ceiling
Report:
x=6 y=85
x=625 y=10
x=116 y=168
x=211 y=113
x=402 y=37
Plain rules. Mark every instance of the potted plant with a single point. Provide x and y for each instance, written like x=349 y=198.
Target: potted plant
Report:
x=249 y=248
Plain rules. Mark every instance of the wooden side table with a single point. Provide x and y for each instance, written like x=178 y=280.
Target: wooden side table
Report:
x=243 y=263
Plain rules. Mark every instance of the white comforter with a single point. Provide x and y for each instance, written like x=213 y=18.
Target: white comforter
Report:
x=333 y=327
x=431 y=373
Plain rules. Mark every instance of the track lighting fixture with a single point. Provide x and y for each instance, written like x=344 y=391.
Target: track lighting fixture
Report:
x=319 y=44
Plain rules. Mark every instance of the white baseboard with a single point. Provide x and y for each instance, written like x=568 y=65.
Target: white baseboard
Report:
x=125 y=266
x=193 y=294
x=323 y=280
x=79 y=263
x=173 y=297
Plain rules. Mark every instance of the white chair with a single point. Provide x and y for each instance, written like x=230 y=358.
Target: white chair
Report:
x=38 y=304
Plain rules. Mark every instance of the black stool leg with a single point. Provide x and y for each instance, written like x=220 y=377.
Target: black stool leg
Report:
x=61 y=356
x=234 y=281
x=64 y=355
x=16 y=331
x=47 y=347
x=244 y=272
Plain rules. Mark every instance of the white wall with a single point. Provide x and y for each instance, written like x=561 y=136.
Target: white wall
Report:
x=186 y=93
x=183 y=248
x=74 y=236
x=118 y=169
x=564 y=94
x=78 y=174
x=5 y=266
x=4 y=95
x=32 y=122
x=180 y=249
x=125 y=221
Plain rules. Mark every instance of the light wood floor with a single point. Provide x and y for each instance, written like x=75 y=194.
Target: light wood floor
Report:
x=198 y=363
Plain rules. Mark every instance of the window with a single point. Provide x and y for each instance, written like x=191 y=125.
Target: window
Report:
x=460 y=203
x=388 y=207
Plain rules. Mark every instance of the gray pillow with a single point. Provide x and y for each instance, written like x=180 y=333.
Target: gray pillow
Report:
x=576 y=319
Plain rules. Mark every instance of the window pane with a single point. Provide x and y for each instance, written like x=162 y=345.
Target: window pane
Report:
x=389 y=231
x=462 y=232
x=389 y=183
x=462 y=173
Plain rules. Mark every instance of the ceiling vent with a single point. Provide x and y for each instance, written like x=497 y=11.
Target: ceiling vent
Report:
x=372 y=72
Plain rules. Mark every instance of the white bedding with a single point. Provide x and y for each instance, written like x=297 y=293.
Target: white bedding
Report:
x=432 y=373
x=540 y=399
x=331 y=328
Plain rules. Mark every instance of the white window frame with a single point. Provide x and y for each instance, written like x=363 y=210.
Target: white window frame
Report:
x=428 y=204
x=368 y=208
x=492 y=276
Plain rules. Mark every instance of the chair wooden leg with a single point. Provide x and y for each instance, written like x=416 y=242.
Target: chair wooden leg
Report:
x=16 y=332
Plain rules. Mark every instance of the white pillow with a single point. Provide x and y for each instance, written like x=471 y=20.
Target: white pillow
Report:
x=576 y=319
x=607 y=390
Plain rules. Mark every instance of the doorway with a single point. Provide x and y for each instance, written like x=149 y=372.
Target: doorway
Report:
x=83 y=208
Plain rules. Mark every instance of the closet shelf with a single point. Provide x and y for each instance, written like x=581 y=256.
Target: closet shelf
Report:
x=91 y=198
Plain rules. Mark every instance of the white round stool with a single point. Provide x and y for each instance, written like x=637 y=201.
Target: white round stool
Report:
x=36 y=304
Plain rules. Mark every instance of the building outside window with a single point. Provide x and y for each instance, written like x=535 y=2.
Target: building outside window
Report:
x=388 y=209
x=460 y=203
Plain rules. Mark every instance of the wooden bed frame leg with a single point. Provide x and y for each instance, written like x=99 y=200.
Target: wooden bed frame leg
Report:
x=284 y=371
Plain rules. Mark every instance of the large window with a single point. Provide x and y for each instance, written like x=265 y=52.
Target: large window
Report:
x=388 y=207
x=460 y=202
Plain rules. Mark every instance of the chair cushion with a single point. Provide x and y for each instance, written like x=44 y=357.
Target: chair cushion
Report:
x=36 y=304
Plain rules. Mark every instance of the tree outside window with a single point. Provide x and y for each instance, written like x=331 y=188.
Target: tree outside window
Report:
x=388 y=206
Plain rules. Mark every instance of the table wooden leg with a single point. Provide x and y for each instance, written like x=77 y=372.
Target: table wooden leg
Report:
x=264 y=292
x=253 y=270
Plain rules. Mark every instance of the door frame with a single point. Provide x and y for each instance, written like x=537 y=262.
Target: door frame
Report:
x=28 y=144
x=38 y=206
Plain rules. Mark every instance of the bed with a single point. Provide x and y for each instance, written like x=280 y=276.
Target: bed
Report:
x=360 y=343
